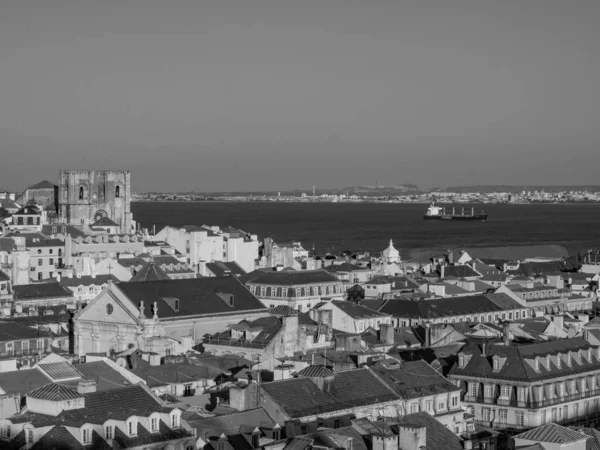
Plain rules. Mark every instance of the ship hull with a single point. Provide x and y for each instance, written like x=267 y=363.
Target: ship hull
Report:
x=475 y=217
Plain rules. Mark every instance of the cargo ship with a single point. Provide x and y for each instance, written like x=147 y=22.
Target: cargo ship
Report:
x=435 y=212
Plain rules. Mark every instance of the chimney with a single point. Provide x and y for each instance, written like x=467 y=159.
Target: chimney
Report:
x=450 y=257
x=427 y=334
x=202 y=268
x=58 y=277
x=506 y=333
x=484 y=348
x=386 y=333
x=86 y=386
x=442 y=270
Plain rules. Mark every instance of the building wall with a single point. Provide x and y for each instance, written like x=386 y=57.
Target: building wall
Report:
x=44 y=262
x=242 y=251
x=43 y=197
x=99 y=197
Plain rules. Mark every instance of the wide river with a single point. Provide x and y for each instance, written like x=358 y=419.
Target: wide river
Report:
x=369 y=226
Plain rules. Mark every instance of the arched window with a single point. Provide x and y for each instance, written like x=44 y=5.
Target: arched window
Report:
x=81 y=193
x=118 y=191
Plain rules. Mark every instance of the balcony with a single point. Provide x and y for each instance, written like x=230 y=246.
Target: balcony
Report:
x=530 y=403
x=579 y=420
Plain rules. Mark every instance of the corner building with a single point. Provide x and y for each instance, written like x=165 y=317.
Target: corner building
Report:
x=86 y=196
x=516 y=387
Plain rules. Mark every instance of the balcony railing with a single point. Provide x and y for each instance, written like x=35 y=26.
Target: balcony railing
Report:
x=531 y=403
x=17 y=354
x=505 y=425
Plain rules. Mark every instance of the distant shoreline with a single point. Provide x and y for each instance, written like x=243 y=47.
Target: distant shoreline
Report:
x=389 y=202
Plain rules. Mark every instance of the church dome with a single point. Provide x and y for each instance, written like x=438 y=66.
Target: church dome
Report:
x=391 y=254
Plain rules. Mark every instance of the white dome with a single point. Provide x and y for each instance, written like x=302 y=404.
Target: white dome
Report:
x=391 y=254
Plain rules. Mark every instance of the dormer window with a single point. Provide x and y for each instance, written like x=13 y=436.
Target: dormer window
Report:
x=548 y=362
x=86 y=435
x=558 y=360
x=131 y=428
x=496 y=364
x=109 y=432
x=589 y=357
x=154 y=424
x=461 y=361
x=174 y=420
x=568 y=359
x=537 y=365
x=276 y=434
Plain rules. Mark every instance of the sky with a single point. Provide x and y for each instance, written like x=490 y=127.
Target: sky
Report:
x=228 y=95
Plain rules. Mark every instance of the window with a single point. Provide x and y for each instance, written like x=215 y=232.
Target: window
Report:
x=496 y=364
x=414 y=408
x=337 y=423
x=154 y=424
x=521 y=394
x=561 y=389
x=503 y=415
x=472 y=389
x=441 y=406
x=276 y=434
x=504 y=391
x=573 y=387
x=454 y=401
x=51 y=261
x=87 y=436
x=174 y=421
x=81 y=193
x=543 y=417
x=429 y=405
x=130 y=427
x=109 y=432
x=520 y=418
x=487 y=414
x=40 y=276
x=50 y=251
x=40 y=262
x=117 y=192
x=537 y=365
x=461 y=361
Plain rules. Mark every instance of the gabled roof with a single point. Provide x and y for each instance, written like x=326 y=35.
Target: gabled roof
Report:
x=88 y=280
x=104 y=222
x=300 y=397
x=355 y=310
x=57 y=438
x=314 y=371
x=11 y=331
x=230 y=423
x=438 y=437
x=459 y=271
x=415 y=379
x=346 y=267
x=150 y=272
x=40 y=290
x=430 y=309
x=43 y=185
x=55 y=393
x=515 y=356
x=221 y=268
x=197 y=296
x=28 y=210
x=552 y=433
x=289 y=277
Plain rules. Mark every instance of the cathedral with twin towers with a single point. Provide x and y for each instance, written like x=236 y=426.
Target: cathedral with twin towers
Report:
x=89 y=197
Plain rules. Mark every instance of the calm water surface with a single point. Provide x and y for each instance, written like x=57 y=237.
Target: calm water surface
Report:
x=369 y=226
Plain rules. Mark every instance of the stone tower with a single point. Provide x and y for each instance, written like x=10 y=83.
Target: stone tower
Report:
x=86 y=196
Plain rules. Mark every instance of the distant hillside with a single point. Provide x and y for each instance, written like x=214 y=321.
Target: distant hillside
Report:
x=516 y=188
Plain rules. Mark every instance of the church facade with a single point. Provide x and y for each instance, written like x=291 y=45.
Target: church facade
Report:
x=87 y=196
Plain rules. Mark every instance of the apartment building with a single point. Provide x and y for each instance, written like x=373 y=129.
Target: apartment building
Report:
x=510 y=387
